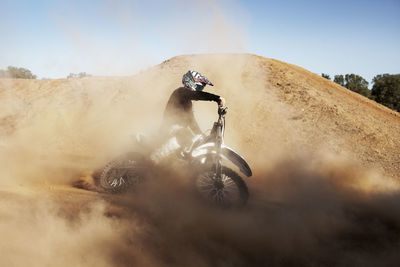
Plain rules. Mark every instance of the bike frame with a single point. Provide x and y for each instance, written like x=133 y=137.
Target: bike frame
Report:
x=212 y=147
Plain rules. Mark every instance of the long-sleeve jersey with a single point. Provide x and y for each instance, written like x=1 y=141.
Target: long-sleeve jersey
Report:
x=179 y=108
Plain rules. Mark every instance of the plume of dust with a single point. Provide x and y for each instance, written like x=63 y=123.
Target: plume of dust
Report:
x=55 y=131
x=63 y=127
x=302 y=211
x=305 y=209
x=36 y=232
x=298 y=215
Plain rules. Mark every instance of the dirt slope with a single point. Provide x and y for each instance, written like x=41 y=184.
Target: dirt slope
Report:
x=280 y=107
x=325 y=163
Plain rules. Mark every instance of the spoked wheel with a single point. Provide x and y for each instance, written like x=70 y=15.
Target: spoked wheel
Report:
x=230 y=190
x=120 y=175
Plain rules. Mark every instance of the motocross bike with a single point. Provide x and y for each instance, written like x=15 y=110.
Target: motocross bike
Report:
x=207 y=156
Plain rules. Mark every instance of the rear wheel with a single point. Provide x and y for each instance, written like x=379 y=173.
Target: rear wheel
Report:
x=121 y=174
x=230 y=190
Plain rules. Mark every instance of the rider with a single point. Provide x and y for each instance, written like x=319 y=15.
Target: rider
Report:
x=179 y=121
x=179 y=112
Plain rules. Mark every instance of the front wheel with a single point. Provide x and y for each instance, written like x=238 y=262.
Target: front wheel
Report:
x=123 y=173
x=230 y=190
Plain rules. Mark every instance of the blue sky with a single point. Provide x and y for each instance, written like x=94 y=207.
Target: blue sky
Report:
x=121 y=37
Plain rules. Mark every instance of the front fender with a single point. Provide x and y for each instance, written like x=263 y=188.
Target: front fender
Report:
x=227 y=153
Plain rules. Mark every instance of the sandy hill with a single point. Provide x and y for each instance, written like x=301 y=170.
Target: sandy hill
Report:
x=325 y=160
x=275 y=108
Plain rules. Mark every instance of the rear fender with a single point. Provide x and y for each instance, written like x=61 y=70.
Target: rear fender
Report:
x=227 y=153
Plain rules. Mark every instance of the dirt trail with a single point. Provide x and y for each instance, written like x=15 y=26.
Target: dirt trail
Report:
x=325 y=162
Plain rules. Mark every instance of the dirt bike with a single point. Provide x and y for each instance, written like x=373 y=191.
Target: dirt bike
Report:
x=207 y=156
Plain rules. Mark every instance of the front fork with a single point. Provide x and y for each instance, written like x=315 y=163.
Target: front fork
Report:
x=218 y=144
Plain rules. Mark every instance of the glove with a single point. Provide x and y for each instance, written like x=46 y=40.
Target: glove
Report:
x=221 y=102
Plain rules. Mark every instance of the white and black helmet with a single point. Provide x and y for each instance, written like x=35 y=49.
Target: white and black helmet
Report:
x=195 y=81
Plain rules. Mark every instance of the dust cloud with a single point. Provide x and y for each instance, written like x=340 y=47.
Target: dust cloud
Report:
x=297 y=216
x=33 y=233
x=306 y=207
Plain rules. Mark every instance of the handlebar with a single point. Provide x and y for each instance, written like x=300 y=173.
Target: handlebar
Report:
x=222 y=111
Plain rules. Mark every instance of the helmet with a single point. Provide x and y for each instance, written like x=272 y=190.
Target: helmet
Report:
x=195 y=81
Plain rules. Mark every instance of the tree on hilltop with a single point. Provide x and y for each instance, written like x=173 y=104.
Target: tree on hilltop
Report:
x=353 y=82
x=17 y=73
x=339 y=79
x=326 y=76
x=357 y=84
x=386 y=90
